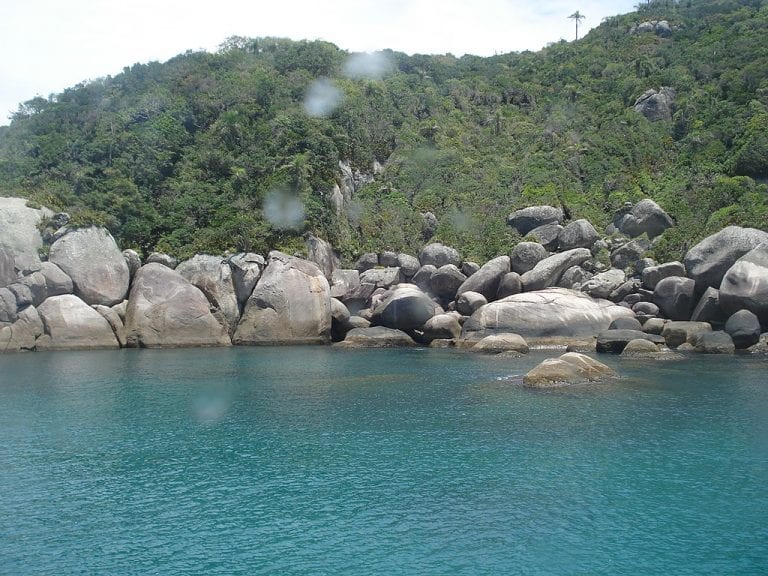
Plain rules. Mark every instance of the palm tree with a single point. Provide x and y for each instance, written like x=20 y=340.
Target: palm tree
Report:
x=577 y=16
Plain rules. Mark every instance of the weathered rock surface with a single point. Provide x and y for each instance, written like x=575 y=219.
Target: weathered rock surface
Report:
x=645 y=217
x=321 y=253
x=165 y=310
x=246 y=271
x=708 y=261
x=547 y=273
x=744 y=329
x=625 y=323
x=526 y=255
x=8 y=307
x=570 y=368
x=70 y=324
x=713 y=343
x=527 y=219
x=495 y=343
x=377 y=337
x=115 y=322
x=408 y=265
x=640 y=348
x=345 y=284
x=22 y=334
x=553 y=313
x=367 y=261
x=675 y=297
x=745 y=284
x=423 y=278
x=7 y=267
x=509 y=285
x=678 y=333
x=91 y=258
x=19 y=233
x=446 y=281
x=486 y=280
x=213 y=276
x=441 y=327
x=602 y=285
x=616 y=340
x=404 y=308
x=132 y=260
x=652 y=275
x=291 y=304
x=164 y=259
x=656 y=106
x=439 y=255
x=56 y=280
x=708 y=309
x=577 y=234
x=629 y=253
x=468 y=302
x=546 y=235
x=381 y=277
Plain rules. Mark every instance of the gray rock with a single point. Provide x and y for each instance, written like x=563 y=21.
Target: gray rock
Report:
x=555 y=313
x=625 y=323
x=408 y=265
x=404 y=308
x=339 y=312
x=164 y=259
x=745 y=285
x=321 y=253
x=70 y=324
x=22 y=334
x=656 y=106
x=367 y=261
x=446 y=281
x=291 y=304
x=546 y=235
x=8 y=307
x=19 y=233
x=345 y=284
x=645 y=217
x=526 y=255
x=713 y=343
x=91 y=258
x=708 y=308
x=644 y=263
x=468 y=302
x=165 y=310
x=574 y=277
x=654 y=325
x=616 y=340
x=744 y=328
x=577 y=234
x=652 y=275
x=56 y=280
x=132 y=260
x=213 y=276
x=509 y=285
x=532 y=217
x=37 y=286
x=508 y=342
x=22 y=293
x=7 y=267
x=439 y=255
x=677 y=333
x=570 y=368
x=469 y=268
x=388 y=259
x=547 y=273
x=441 y=327
x=381 y=277
x=377 y=337
x=629 y=253
x=246 y=271
x=486 y=280
x=675 y=297
x=626 y=291
x=603 y=285
x=646 y=308
x=429 y=225
x=708 y=261
x=639 y=348
x=423 y=278
x=115 y=322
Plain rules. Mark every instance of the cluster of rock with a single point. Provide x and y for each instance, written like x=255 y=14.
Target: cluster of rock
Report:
x=563 y=284
x=658 y=27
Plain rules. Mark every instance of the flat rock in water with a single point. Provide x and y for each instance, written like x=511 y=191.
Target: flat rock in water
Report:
x=713 y=343
x=570 y=368
x=502 y=343
x=616 y=340
x=377 y=337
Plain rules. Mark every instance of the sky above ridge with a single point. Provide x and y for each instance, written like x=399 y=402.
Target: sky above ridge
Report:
x=49 y=45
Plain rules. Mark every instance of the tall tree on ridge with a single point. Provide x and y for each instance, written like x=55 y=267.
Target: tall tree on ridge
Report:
x=577 y=16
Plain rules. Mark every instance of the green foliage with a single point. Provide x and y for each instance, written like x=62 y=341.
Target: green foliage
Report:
x=182 y=156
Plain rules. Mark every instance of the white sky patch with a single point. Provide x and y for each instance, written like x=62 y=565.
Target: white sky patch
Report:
x=322 y=98
x=50 y=45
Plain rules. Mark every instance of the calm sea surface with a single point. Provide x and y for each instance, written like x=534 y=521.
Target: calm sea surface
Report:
x=323 y=461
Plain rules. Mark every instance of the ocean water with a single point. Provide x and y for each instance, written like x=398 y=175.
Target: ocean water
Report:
x=324 y=461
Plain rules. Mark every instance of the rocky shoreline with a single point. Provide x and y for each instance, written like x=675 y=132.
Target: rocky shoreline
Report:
x=566 y=285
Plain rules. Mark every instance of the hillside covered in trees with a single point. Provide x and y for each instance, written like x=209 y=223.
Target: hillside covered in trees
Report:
x=250 y=148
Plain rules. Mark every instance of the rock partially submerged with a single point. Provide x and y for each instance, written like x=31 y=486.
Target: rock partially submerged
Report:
x=377 y=337
x=570 y=368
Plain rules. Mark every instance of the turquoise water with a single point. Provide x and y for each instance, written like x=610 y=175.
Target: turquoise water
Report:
x=323 y=461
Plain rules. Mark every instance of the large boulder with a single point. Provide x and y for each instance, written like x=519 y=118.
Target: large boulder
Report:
x=321 y=253
x=213 y=276
x=404 y=308
x=19 y=233
x=509 y=285
x=8 y=307
x=547 y=273
x=56 y=280
x=132 y=260
x=652 y=275
x=570 y=368
x=677 y=333
x=627 y=254
x=486 y=280
x=246 y=271
x=7 y=267
x=656 y=105
x=556 y=313
x=22 y=334
x=645 y=217
x=345 y=284
x=70 y=324
x=602 y=285
x=381 y=277
x=526 y=255
x=713 y=343
x=408 y=265
x=546 y=235
x=91 y=258
x=527 y=219
x=744 y=328
x=468 y=302
x=446 y=281
x=439 y=255
x=675 y=297
x=165 y=311
x=505 y=342
x=291 y=304
x=377 y=337
x=708 y=308
x=441 y=327
x=577 y=234
x=616 y=340
x=708 y=261
x=745 y=285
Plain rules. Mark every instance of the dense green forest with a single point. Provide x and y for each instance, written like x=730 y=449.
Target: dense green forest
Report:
x=241 y=149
